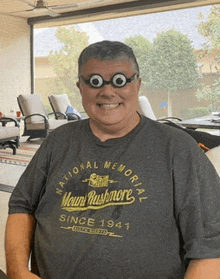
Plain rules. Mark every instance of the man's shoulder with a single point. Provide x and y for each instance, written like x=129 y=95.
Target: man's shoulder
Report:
x=163 y=132
x=162 y=126
x=70 y=131
x=69 y=126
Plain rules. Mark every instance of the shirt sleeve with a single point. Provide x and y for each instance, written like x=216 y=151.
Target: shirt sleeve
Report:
x=197 y=204
x=31 y=185
x=33 y=182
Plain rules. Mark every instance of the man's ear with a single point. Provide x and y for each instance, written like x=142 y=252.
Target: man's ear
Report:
x=78 y=85
x=139 y=83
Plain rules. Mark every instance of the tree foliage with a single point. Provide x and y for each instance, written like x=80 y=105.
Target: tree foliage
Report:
x=64 y=62
x=141 y=47
x=210 y=29
x=210 y=93
x=172 y=63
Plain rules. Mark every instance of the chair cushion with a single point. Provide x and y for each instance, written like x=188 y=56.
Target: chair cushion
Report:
x=9 y=132
x=35 y=126
x=214 y=157
x=144 y=107
x=54 y=123
x=31 y=104
x=60 y=102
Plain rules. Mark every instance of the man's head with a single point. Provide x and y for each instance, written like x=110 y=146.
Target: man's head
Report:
x=108 y=50
x=109 y=83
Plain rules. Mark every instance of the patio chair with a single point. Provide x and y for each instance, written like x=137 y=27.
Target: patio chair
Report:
x=62 y=107
x=205 y=140
x=144 y=107
x=214 y=156
x=9 y=133
x=36 y=122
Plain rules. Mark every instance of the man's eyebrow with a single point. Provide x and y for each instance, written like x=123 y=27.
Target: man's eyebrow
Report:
x=90 y=75
x=95 y=73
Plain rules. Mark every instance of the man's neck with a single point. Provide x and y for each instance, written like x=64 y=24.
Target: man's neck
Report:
x=106 y=132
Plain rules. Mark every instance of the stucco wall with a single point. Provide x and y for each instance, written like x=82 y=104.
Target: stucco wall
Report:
x=15 y=75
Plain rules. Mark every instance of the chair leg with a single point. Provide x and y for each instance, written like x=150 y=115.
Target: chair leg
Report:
x=14 y=149
x=10 y=145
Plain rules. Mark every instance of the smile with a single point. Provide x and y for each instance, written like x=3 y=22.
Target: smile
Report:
x=109 y=106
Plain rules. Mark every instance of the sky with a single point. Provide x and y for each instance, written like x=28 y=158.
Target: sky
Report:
x=184 y=20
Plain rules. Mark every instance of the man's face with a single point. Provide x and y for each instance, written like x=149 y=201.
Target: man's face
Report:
x=109 y=106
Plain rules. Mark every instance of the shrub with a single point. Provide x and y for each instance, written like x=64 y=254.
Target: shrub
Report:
x=188 y=113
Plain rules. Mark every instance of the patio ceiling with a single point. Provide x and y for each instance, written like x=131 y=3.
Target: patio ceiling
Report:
x=60 y=12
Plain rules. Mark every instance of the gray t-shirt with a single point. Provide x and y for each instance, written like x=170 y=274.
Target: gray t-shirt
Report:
x=139 y=206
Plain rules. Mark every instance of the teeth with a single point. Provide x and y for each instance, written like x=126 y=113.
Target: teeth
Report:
x=108 y=106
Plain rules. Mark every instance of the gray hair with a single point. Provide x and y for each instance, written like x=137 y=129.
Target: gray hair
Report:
x=108 y=50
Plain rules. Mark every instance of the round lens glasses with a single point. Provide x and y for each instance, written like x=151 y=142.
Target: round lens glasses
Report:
x=118 y=80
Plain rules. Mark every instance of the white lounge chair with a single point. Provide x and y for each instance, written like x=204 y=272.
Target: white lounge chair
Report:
x=36 y=122
x=9 y=134
x=214 y=156
x=62 y=107
x=144 y=107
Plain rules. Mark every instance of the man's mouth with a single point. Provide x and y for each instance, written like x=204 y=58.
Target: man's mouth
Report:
x=109 y=106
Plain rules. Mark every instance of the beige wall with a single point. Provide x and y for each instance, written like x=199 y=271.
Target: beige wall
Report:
x=14 y=62
x=181 y=100
x=43 y=68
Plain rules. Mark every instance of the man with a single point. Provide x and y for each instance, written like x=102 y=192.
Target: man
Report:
x=117 y=195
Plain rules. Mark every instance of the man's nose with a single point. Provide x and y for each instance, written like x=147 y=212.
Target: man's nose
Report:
x=107 y=90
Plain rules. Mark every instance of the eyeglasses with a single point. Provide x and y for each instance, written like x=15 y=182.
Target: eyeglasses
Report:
x=119 y=80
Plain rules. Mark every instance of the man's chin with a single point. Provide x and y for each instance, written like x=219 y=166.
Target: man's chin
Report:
x=110 y=123
x=107 y=122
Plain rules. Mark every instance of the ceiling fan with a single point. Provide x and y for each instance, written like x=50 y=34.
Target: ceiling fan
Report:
x=41 y=6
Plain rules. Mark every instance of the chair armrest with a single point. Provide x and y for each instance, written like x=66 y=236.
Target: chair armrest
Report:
x=5 y=120
x=58 y=114
x=52 y=113
x=70 y=116
x=37 y=114
x=83 y=114
x=169 y=118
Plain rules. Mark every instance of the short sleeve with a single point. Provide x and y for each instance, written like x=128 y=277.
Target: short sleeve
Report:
x=31 y=185
x=197 y=204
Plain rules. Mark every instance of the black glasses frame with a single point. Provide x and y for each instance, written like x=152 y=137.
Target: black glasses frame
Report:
x=112 y=81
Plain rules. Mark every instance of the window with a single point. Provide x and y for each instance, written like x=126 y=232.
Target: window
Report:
x=192 y=67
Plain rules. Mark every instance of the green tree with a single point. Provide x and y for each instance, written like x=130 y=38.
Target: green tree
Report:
x=210 y=93
x=172 y=64
x=210 y=29
x=64 y=62
x=141 y=47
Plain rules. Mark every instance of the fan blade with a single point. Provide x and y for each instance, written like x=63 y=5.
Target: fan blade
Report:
x=39 y=11
x=79 y=4
x=63 y=7
x=52 y=13
x=26 y=2
x=44 y=12
x=88 y=3
x=19 y=12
